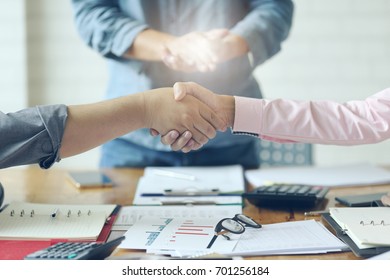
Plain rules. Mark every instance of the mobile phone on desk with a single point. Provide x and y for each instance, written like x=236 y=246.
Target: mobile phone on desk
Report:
x=362 y=200
x=89 y=179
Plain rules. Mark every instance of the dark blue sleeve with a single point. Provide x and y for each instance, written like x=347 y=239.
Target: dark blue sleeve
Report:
x=265 y=27
x=104 y=28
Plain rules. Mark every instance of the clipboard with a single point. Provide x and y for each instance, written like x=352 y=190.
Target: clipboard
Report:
x=340 y=233
x=219 y=185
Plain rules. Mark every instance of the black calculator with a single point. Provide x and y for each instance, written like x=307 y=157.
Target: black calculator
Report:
x=76 y=251
x=289 y=195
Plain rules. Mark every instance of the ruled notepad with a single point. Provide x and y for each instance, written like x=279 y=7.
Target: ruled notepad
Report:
x=37 y=221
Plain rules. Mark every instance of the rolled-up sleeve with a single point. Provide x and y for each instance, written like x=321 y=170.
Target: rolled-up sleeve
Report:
x=104 y=27
x=32 y=135
x=265 y=27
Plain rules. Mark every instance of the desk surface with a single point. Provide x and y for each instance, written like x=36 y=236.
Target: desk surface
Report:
x=50 y=186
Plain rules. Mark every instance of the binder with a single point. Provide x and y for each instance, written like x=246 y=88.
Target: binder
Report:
x=366 y=226
x=342 y=235
x=39 y=221
x=12 y=249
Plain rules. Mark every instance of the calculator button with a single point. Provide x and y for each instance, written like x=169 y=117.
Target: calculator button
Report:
x=283 y=189
x=271 y=189
x=315 y=190
x=303 y=189
x=293 y=189
x=72 y=256
x=261 y=189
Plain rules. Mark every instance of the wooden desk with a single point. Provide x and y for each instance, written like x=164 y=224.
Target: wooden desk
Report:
x=32 y=184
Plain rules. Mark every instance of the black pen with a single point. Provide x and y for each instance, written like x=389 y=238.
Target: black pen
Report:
x=188 y=203
x=191 y=194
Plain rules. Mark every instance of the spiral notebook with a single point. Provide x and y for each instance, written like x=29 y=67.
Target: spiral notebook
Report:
x=368 y=227
x=37 y=221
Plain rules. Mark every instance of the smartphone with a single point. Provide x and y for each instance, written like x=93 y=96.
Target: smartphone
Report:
x=362 y=200
x=89 y=179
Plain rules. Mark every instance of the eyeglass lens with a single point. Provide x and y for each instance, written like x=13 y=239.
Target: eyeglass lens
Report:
x=247 y=221
x=232 y=226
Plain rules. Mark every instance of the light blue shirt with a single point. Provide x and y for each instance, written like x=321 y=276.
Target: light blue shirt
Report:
x=110 y=27
x=32 y=135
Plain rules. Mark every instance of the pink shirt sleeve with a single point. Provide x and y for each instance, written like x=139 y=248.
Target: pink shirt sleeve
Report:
x=318 y=122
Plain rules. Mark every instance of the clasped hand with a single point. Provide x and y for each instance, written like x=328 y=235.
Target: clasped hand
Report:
x=188 y=116
x=219 y=108
x=202 y=51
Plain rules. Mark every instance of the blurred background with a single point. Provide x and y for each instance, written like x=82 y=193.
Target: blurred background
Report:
x=337 y=50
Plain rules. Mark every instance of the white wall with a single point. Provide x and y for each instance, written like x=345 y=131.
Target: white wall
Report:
x=13 y=83
x=337 y=49
x=61 y=68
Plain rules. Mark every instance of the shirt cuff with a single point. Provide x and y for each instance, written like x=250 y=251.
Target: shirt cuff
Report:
x=247 y=118
x=54 y=118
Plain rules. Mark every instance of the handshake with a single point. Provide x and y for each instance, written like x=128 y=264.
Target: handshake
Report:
x=189 y=117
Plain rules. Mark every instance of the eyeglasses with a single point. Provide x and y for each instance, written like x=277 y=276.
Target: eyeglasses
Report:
x=234 y=225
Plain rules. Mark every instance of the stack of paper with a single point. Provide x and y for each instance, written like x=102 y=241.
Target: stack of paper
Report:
x=186 y=237
x=299 y=237
x=172 y=235
x=190 y=185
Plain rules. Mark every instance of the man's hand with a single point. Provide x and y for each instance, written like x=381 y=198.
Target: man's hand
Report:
x=192 y=52
x=162 y=113
x=222 y=106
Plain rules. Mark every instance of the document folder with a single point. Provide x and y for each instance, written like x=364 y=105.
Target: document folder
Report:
x=18 y=249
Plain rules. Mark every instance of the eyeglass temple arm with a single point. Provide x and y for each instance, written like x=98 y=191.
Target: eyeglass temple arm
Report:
x=212 y=241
